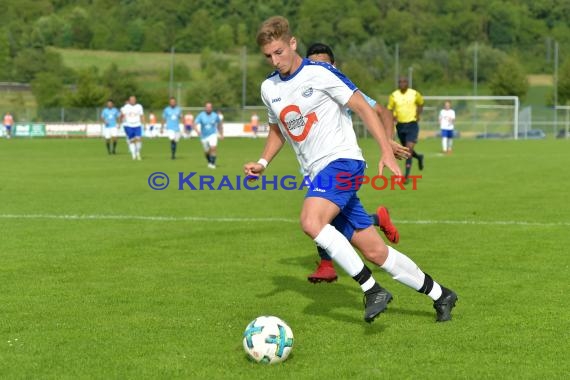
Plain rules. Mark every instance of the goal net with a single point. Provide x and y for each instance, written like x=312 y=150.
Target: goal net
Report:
x=475 y=116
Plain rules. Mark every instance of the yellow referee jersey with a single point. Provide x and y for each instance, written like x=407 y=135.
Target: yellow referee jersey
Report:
x=404 y=105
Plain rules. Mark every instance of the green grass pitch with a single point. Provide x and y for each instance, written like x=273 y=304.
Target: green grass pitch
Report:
x=102 y=277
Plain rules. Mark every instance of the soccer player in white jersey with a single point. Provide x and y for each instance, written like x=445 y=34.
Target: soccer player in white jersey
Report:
x=306 y=103
x=171 y=117
x=210 y=125
x=132 y=117
x=325 y=271
x=446 y=124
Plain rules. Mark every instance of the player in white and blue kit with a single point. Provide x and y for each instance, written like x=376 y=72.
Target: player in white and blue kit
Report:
x=132 y=116
x=109 y=116
x=306 y=103
x=209 y=125
x=171 y=117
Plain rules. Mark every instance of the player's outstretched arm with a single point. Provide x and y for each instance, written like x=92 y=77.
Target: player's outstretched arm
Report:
x=273 y=145
x=374 y=126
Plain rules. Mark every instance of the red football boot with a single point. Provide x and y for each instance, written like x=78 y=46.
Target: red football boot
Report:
x=325 y=272
x=386 y=225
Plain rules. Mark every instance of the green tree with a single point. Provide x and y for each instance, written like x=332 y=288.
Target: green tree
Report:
x=509 y=79
x=49 y=92
x=29 y=62
x=5 y=59
x=80 y=27
x=88 y=90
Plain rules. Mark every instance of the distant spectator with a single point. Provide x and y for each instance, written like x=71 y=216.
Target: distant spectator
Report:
x=8 y=124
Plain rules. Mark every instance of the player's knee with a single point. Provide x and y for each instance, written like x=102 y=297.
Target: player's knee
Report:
x=376 y=254
x=311 y=225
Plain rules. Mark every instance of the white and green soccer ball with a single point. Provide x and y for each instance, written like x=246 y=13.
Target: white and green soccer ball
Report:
x=268 y=340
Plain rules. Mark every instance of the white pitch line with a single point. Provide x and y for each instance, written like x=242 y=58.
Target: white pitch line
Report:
x=268 y=220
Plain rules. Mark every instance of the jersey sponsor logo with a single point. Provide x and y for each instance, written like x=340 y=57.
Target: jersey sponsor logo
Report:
x=275 y=100
x=307 y=92
x=297 y=125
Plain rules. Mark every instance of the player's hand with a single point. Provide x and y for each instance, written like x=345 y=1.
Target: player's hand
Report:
x=221 y=137
x=253 y=169
x=387 y=160
x=400 y=152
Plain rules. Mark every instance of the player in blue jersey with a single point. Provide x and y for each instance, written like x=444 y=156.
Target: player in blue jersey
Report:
x=109 y=116
x=209 y=126
x=171 y=117
x=325 y=271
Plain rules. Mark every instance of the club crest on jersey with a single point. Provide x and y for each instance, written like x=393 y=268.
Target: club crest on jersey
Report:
x=307 y=92
x=296 y=124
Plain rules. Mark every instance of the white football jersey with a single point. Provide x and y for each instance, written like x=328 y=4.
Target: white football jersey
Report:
x=446 y=118
x=132 y=115
x=309 y=107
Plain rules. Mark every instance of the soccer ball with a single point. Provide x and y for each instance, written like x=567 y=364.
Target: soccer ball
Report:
x=268 y=340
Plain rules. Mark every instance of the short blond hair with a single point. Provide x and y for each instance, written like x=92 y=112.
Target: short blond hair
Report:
x=274 y=28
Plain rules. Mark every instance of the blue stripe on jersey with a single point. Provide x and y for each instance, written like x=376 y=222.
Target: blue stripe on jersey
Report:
x=333 y=70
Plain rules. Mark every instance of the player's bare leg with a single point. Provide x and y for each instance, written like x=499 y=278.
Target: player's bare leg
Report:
x=325 y=271
x=212 y=154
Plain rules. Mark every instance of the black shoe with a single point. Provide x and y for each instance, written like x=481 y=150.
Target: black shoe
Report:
x=375 y=303
x=444 y=305
x=421 y=161
x=406 y=181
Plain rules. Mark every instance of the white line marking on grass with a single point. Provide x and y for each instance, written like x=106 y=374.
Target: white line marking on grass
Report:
x=268 y=220
x=145 y=218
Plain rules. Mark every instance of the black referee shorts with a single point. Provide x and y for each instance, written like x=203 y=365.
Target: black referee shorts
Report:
x=408 y=132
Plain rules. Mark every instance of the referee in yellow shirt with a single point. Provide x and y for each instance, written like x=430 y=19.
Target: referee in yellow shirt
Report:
x=407 y=105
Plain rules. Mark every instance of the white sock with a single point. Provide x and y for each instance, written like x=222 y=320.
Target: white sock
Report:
x=138 y=146
x=404 y=270
x=340 y=249
x=444 y=144
x=132 y=149
x=449 y=144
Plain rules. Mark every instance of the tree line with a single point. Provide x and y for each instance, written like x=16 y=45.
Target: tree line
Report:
x=437 y=38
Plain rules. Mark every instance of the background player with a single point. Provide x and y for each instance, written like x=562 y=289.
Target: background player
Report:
x=210 y=125
x=407 y=105
x=325 y=271
x=446 y=124
x=171 y=117
x=254 y=124
x=132 y=117
x=8 y=124
x=109 y=115
x=188 y=125
x=152 y=127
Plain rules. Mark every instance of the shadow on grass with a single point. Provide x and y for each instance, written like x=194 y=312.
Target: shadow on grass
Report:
x=336 y=301
x=342 y=295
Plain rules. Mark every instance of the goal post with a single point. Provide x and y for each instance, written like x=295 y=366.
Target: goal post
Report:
x=476 y=116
